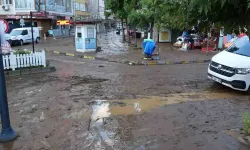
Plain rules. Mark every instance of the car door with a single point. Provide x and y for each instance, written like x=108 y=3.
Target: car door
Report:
x=26 y=37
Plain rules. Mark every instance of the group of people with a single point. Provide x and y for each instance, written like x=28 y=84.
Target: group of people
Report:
x=188 y=38
x=215 y=39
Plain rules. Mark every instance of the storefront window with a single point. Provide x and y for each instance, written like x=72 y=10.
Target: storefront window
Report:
x=5 y=2
x=24 y=4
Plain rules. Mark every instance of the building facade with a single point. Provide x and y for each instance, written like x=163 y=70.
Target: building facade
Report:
x=15 y=10
x=96 y=8
x=81 y=10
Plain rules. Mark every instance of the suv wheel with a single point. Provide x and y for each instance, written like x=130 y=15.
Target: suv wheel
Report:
x=248 y=91
x=37 y=40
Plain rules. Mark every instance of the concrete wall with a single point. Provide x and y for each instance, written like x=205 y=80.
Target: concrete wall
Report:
x=11 y=10
x=101 y=9
x=96 y=10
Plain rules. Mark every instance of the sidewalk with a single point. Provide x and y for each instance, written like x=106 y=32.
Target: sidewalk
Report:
x=113 y=49
x=167 y=52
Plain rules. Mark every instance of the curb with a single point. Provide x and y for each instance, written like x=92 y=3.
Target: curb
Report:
x=27 y=71
x=132 y=62
x=73 y=55
x=158 y=62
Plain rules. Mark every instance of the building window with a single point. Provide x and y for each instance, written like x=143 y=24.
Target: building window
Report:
x=5 y=2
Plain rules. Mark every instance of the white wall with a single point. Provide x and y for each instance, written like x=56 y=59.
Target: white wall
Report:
x=11 y=10
x=95 y=10
x=18 y=6
x=101 y=9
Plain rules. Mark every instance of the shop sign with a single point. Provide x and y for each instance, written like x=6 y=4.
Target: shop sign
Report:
x=82 y=13
x=63 y=22
x=39 y=14
x=50 y=17
x=5 y=47
x=13 y=17
x=165 y=36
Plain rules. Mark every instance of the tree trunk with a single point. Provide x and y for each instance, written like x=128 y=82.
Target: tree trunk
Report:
x=135 y=39
x=151 y=30
x=129 y=41
x=123 y=32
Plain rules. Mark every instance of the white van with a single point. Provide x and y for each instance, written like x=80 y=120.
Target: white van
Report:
x=231 y=67
x=23 y=35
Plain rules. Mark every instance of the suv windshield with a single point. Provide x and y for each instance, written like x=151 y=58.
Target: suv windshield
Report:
x=16 y=32
x=240 y=47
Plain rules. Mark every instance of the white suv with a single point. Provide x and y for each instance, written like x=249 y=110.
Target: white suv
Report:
x=231 y=67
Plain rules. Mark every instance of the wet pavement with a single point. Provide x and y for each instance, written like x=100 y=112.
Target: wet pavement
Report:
x=99 y=105
x=114 y=49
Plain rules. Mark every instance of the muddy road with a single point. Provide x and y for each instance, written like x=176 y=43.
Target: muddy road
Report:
x=98 y=105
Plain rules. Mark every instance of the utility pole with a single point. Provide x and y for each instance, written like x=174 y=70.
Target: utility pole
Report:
x=32 y=32
x=7 y=133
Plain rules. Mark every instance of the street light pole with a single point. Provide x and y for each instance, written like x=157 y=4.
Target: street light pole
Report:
x=32 y=32
x=7 y=133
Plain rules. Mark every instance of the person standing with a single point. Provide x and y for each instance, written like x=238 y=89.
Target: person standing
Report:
x=242 y=33
x=184 y=34
x=220 y=45
x=233 y=34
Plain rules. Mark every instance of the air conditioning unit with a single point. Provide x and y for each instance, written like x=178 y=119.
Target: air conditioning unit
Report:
x=6 y=7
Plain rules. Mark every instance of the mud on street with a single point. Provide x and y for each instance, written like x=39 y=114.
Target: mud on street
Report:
x=99 y=105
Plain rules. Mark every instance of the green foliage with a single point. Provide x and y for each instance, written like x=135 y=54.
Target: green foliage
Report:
x=246 y=123
x=22 y=52
x=179 y=14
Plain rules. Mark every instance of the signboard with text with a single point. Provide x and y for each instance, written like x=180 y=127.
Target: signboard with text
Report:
x=5 y=47
x=39 y=14
x=63 y=22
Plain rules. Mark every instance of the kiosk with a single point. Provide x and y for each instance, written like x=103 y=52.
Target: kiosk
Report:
x=85 y=36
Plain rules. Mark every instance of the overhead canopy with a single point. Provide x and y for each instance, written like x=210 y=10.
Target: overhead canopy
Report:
x=94 y=21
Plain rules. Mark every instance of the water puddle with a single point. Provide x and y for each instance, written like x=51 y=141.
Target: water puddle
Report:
x=143 y=104
x=104 y=125
x=101 y=134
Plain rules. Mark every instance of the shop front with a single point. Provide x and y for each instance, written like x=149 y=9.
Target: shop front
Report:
x=43 y=23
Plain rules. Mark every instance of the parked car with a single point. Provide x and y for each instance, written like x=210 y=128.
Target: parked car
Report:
x=231 y=67
x=23 y=35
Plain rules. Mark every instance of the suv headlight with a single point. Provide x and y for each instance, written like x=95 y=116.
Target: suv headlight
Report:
x=242 y=70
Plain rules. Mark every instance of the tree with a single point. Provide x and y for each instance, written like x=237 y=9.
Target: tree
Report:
x=180 y=14
x=121 y=9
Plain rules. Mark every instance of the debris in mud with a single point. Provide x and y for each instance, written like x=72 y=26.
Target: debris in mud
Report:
x=42 y=116
x=199 y=144
x=86 y=80
x=239 y=136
